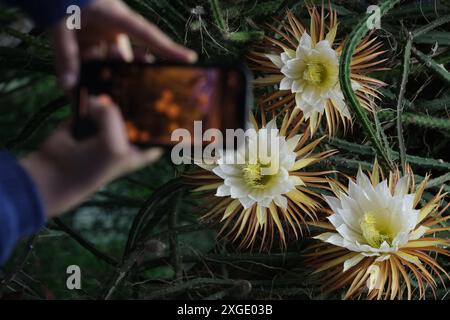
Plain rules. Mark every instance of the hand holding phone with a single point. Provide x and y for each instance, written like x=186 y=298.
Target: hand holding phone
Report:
x=66 y=171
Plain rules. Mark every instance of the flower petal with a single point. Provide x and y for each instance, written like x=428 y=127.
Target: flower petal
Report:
x=223 y=191
x=331 y=237
x=418 y=233
x=305 y=41
x=286 y=83
x=352 y=261
x=246 y=202
x=280 y=201
x=261 y=215
x=275 y=59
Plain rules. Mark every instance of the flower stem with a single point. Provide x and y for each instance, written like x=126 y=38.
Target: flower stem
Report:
x=364 y=150
x=400 y=103
x=439 y=181
x=36 y=121
x=217 y=14
x=426 y=121
x=85 y=243
x=432 y=25
x=173 y=239
x=147 y=215
x=436 y=68
x=345 y=80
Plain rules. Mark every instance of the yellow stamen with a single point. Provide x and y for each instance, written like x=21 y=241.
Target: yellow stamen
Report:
x=253 y=176
x=314 y=73
x=374 y=234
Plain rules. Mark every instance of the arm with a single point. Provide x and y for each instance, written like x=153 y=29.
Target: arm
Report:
x=46 y=12
x=21 y=211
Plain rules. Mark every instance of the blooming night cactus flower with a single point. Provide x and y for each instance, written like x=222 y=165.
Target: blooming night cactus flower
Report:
x=251 y=205
x=376 y=225
x=304 y=66
x=311 y=73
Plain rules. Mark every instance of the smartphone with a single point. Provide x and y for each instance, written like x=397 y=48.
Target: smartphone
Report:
x=156 y=99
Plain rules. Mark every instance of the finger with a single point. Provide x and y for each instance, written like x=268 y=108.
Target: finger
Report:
x=125 y=20
x=66 y=125
x=67 y=59
x=124 y=48
x=112 y=134
x=60 y=140
x=160 y=44
x=61 y=137
x=142 y=55
x=152 y=155
x=143 y=158
x=96 y=51
x=120 y=48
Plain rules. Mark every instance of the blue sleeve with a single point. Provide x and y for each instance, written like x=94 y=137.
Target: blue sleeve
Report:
x=21 y=211
x=46 y=12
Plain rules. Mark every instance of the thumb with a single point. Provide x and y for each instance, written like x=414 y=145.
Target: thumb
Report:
x=112 y=134
x=67 y=55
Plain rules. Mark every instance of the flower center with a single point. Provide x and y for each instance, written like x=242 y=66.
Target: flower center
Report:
x=314 y=73
x=374 y=234
x=253 y=176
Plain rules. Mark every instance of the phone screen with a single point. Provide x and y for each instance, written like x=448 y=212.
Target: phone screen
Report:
x=156 y=100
